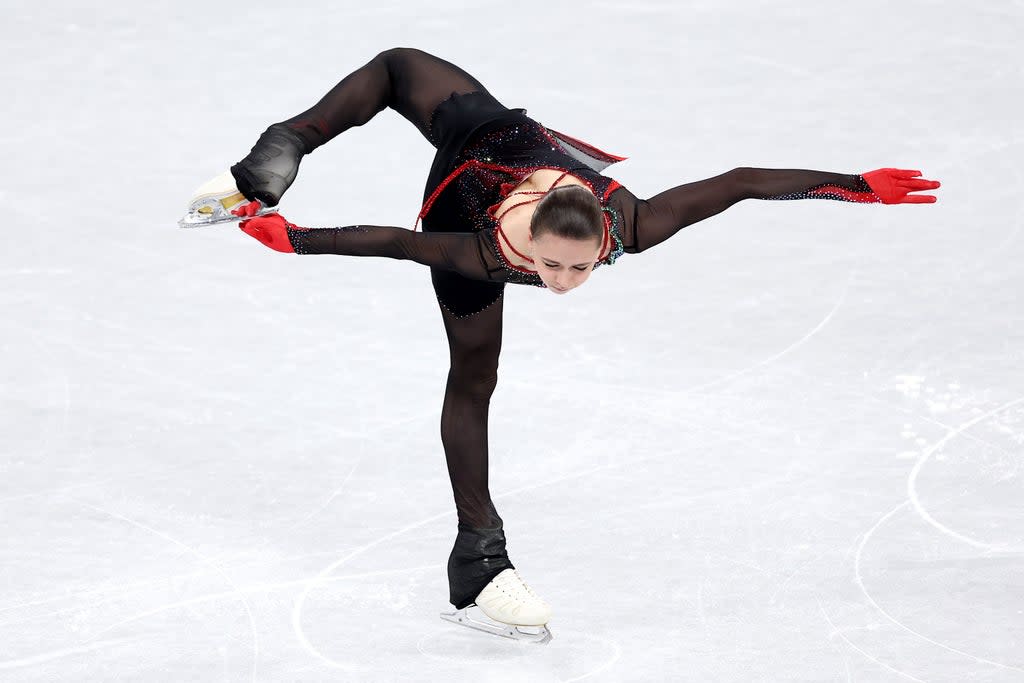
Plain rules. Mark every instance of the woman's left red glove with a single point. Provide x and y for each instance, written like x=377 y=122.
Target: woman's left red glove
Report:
x=894 y=186
x=270 y=229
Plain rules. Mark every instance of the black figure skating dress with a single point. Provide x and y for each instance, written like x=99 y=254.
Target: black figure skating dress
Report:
x=485 y=149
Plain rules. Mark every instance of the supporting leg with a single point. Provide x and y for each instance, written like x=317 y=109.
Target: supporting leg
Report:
x=479 y=553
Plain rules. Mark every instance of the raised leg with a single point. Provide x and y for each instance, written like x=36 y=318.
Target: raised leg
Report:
x=410 y=81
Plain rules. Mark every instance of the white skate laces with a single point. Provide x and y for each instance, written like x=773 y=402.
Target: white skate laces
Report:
x=509 y=600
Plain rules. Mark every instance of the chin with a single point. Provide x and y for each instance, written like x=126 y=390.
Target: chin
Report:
x=560 y=291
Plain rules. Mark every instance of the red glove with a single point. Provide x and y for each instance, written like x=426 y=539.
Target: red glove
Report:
x=249 y=209
x=894 y=185
x=272 y=230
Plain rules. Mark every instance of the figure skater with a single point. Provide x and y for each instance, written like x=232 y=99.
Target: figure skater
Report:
x=507 y=200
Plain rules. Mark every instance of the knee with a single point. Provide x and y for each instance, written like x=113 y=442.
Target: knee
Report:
x=398 y=53
x=478 y=379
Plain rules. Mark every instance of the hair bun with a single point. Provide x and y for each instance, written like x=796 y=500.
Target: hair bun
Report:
x=569 y=211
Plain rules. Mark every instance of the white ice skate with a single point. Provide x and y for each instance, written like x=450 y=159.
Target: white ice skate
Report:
x=213 y=202
x=510 y=609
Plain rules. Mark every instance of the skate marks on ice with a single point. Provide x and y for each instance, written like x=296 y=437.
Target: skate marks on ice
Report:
x=838 y=632
x=789 y=349
x=318 y=580
x=859 y=579
x=563 y=660
x=583 y=357
x=324 y=576
x=236 y=590
x=53 y=655
x=915 y=499
x=991 y=552
x=257 y=591
x=75 y=623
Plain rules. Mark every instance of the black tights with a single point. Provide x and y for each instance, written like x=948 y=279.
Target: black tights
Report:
x=474 y=343
x=414 y=83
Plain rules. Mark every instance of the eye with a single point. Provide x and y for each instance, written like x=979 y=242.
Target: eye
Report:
x=580 y=269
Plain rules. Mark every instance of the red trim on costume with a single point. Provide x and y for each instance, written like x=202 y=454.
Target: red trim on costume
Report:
x=501 y=232
x=440 y=188
x=586 y=147
x=612 y=186
x=846 y=195
x=514 y=171
x=509 y=264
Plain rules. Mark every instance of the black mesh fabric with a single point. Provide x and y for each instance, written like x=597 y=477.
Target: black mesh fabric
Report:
x=478 y=556
x=270 y=168
x=497 y=147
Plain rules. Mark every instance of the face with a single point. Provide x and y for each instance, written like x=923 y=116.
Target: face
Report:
x=563 y=264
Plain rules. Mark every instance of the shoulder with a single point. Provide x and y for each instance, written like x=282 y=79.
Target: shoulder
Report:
x=516 y=271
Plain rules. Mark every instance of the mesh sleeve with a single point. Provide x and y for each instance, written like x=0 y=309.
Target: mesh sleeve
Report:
x=464 y=253
x=648 y=222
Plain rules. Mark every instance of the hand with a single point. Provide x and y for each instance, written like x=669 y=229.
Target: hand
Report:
x=894 y=185
x=271 y=229
x=250 y=209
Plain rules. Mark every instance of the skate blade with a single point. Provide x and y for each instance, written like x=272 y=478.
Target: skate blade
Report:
x=539 y=635
x=203 y=216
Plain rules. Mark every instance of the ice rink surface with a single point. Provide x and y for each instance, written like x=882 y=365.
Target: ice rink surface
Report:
x=785 y=445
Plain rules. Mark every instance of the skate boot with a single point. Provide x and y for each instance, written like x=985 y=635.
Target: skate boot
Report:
x=487 y=591
x=214 y=201
x=264 y=174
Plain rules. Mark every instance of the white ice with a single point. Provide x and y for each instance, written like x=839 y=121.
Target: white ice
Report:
x=786 y=445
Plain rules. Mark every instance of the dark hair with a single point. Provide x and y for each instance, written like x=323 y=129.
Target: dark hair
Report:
x=570 y=211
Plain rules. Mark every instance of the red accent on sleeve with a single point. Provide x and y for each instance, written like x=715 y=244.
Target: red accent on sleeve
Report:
x=841 y=193
x=612 y=186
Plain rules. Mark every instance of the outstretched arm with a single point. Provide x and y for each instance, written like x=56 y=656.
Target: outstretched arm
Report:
x=461 y=252
x=651 y=221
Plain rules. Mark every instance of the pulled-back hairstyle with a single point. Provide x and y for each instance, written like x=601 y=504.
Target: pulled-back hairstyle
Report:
x=570 y=211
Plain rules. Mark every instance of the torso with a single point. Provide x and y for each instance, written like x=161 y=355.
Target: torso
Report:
x=515 y=222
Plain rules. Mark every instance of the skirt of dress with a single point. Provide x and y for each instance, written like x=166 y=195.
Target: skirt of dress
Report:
x=455 y=123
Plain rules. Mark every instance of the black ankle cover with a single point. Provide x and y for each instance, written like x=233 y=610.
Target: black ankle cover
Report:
x=478 y=556
x=270 y=168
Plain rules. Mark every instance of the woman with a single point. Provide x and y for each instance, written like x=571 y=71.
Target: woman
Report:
x=506 y=201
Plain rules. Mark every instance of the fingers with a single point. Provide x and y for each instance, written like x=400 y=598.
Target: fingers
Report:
x=903 y=174
x=918 y=184
x=919 y=199
x=250 y=209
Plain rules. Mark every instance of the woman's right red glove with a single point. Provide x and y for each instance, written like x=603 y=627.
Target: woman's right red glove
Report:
x=270 y=229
